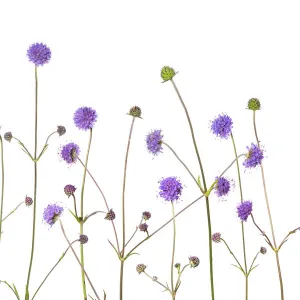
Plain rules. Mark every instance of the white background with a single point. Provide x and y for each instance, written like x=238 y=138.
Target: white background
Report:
x=108 y=55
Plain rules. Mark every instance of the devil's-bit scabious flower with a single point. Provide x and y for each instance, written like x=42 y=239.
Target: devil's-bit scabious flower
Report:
x=146 y=215
x=154 y=141
x=143 y=227
x=223 y=186
x=69 y=153
x=69 y=190
x=254 y=104
x=140 y=268
x=244 y=209
x=83 y=239
x=263 y=250
x=8 y=136
x=85 y=118
x=51 y=213
x=110 y=215
x=167 y=73
x=216 y=237
x=194 y=261
x=221 y=126
x=39 y=54
x=28 y=201
x=61 y=130
x=170 y=188
x=135 y=111
x=177 y=266
x=254 y=156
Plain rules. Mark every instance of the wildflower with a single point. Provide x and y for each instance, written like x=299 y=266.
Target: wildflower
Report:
x=83 y=239
x=143 y=227
x=8 y=136
x=167 y=73
x=222 y=126
x=51 y=213
x=170 y=188
x=135 y=111
x=39 y=54
x=85 y=118
x=146 y=215
x=140 y=268
x=177 y=266
x=222 y=187
x=28 y=201
x=254 y=157
x=61 y=130
x=194 y=261
x=69 y=190
x=154 y=141
x=244 y=209
x=69 y=153
x=254 y=104
x=110 y=215
x=263 y=250
x=216 y=237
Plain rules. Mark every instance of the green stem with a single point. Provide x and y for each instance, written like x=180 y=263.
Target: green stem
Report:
x=52 y=269
x=167 y=289
x=2 y=186
x=173 y=249
x=35 y=185
x=46 y=145
x=269 y=213
x=134 y=233
x=75 y=208
x=81 y=215
x=121 y=278
x=12 y=211
x=10 y=288
x=205 y=189
x=179 y=276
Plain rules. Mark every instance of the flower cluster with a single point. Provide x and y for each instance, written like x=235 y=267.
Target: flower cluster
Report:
x=222 y=126
x=69 y=153
x=85 y=118
x=39 y=54
x=51 y=213
x=244 y=210
x=170 y=188
x=254 y=156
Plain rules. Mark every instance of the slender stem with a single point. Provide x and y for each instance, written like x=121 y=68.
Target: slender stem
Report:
x=35 y=185
x=24 y=148
x=46 y=145
x=269 y=213
x=286 y=238
x=92 y=214
x=106 y=204
x=134 y=233
x=81 y=215
x=2 y=185
x=10 y=288
x=179 y=276
x=81 y=265
x=247 y=286
x=13 y=211
x=52 y=269
x=173 y=249
x=158 y=282
x=75 y=208
x=205 y=189
x=254 y=259
x=121 y=278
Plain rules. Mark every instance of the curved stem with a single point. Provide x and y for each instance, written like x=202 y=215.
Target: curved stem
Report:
x=17 y=296
x=35 y=185
x=24 y=148
x=52 y=269
x=81 y=215
x=179 y=276
x=134 y=233
x=173 y=249
x=13 y=211
x=2 y=185
x=158 y=282
x=46 y=145
x=82 y=267
x=286 y=238
x=269 y=212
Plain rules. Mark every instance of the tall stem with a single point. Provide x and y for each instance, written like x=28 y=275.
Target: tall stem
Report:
x=35 y=185
x=173 y=249
x=269 y=213
x=2 y=185
x=242 y=223
x=81 y=216
x=205 y=189
x=121 y=279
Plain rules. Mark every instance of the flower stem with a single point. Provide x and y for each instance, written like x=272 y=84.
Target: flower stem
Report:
x=242 y=223
x=81 y=216
x=121 y=279
x=35 y=185
x=205 y=190
x=2 y=185
x=75 y=208
x=52 y=269
x=269 y=213
x=173 y=250
x=13 y=211
x=166 y=288
x=134 y=233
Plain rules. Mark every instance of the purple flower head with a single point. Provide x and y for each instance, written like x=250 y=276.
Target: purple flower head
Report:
x=154 y=141
x=39 y=54
x=146 y=215
x=223 y=186
x=51 y=213
x=85 y=118
x=143 y=227
x=221 y=126
x=194 y=261
x=110 y=215
x=170 y=188
x=216 y=237
x=254 y=157
x=69 y=153
x=83 y=239
x=28 y=201
x=244 y=209
x=69 y=190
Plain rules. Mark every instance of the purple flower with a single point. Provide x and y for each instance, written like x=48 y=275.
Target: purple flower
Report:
x=69 y=153
x=28 y=201
x=221 y=126
x=244 y=209
x=146 y=215
x=254 y=157
x=39 y=54
x=51 y=213
x=154 y=141
x=69 y=190
x=85 y=118
x=170 y=188
x=216 y=237
x=143 y=227
x=194 y=261
x=223 y=186
x=83 y=239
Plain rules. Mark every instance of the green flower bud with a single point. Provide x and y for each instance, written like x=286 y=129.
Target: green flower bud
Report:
x=254 y=104
x=135 y=111
x=167 y=73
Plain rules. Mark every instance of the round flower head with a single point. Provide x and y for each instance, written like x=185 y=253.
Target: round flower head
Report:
x=221 y=126
x=263 y=250
x=85 y=118
x=140 y=268
x=135 y=111
x=254 y=104
x=170 y=188
x=28 y=201
x=216 y=237
x=244 y=209
x=83 y=239
x=194 y=261
x=110 y=215
x=143 y=227
x=154 y=141
x=254 y=157
x=167 y=73
x=69 y=153
x=8 y=136
x=223 y=186
x=39 y=54
x=61 y=130
x=51 y=213
x=177 y=266
x=146 y=215
x=69 y=190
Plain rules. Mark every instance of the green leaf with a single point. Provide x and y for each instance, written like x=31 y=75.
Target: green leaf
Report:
x=16 y=292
